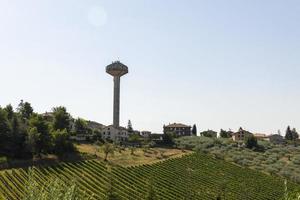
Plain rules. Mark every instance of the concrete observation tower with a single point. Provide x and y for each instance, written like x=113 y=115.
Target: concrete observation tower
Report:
x=116 y=69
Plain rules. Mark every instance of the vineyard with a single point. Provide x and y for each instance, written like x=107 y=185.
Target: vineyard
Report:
x=193 y=176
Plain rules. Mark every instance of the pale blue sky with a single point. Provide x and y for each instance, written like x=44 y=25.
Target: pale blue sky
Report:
x=219 y=64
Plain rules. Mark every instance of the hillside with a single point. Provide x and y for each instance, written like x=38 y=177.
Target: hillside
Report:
x=194 y=176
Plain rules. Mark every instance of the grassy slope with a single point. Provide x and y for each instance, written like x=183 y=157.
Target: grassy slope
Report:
x=193 y=176
x=140 y=157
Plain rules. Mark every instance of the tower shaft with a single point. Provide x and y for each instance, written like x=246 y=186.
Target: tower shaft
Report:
x=116 y=109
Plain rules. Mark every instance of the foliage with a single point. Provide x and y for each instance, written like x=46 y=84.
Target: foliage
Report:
x=108 y=148
x=54 y=189
x=291 y=135
x=194 y=130
x=168 y=138
x=129 y=127
x=25 y=110
x=25 y=133
x=62 y=119
x=204 y=175
x=39 y=129
x=134 y=138
x=225 y=134
x=151 y=194
x=80 y=126
x=283 y=160
x=209 y=133
x=61 y=144
x=251 y=142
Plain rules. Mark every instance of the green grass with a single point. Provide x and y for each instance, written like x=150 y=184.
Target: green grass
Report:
x=194 y=176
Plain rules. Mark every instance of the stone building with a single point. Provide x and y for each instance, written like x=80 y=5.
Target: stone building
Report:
x=240 y=135
x=115 y=134
x=145 y=134
x=179 y=129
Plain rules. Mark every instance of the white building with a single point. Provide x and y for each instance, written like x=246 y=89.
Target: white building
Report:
x=115 y=134
x=145 y=134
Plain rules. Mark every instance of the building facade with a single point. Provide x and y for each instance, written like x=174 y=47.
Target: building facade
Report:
x=241 y=135
x=178 y=129
x=145 y=134
x=115 y=134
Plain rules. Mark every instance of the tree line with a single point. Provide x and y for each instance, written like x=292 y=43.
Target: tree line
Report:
x=25 y=133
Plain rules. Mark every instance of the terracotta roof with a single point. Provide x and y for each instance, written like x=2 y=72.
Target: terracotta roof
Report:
x=177 y=125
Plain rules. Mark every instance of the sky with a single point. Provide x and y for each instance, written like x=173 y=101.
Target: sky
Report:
x=217 y=64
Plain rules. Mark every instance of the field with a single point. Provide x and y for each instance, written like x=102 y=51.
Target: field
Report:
x=127 y=157
x=282 y=160
x=193 y=176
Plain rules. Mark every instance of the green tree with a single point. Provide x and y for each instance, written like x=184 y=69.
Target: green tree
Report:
x=39 y=127
x=129 y=127
x=251 y=142
x=295 y=135
x=25 y=110
x=132 y=150
x=32 y=141
x=209 y=133
x=4 y=130
x=17 y=137
x=194 y=130
x=134 y=138
x=168 y=138
x=225 y=134
x=61 y=142
x=81 y=126
x=62 y=119
x=4 y=123
x=108 y=148
x=10 y=111
x=288 y=134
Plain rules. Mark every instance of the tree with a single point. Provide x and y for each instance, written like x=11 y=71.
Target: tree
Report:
x=288 y=134
x=209 y=133
x=108 y=148
x=132 y=150
x=25 y=110
x=10 y=111
x=62 y=118
x=4 y=129
x=295 y=134
x=42 y=130
x=129 y=127
x=251 y=142
x=134 y=138
x=4 y=123
x=225 y=134
x=194 y=130
x=33 y=140
x=80 y=126
x=17 y=137
x=168 y=138
x=61 y=143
